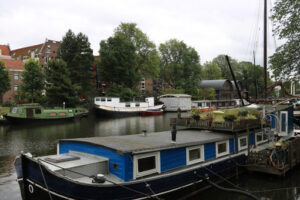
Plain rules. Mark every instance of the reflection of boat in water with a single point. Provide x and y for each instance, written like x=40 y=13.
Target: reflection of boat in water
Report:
x=36 y=113
x=151 y=112
x=111 y=106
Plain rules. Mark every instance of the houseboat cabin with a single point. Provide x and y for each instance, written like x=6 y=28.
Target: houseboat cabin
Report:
x=115 y=102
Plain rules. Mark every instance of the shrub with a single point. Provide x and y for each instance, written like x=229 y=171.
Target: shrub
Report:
x=195 y=112
x=8 y=104
x=243 y=113
x=230 y=118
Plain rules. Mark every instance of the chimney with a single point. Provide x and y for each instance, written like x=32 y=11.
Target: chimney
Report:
x=173 y=133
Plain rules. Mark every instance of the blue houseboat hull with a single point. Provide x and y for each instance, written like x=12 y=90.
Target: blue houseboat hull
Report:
x=37 y=182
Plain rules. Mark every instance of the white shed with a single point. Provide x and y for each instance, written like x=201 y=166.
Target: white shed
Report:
x=175 y=101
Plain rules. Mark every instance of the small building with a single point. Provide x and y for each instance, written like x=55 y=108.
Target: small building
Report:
x=175 y=101
x=223 y=88
x=15 y=69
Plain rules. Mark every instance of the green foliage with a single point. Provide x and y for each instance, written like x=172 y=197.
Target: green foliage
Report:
x=195 y=112
x=208 y=94
x=146 y=56
x=230 y=117
x=180 y=65
x=211 y=71
x=285 y=63
x=127 y=57
x=75 y=50
x=4 y=79
x=221 y=62
x=117 y=63
x=173 y=91
x=33 y=82
x=125 y=93
x=59 y=87
x=243 y=113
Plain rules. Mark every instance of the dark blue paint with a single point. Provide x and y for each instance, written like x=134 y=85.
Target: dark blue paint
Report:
x=232 y=147
x=209 y=150
x=124 y=162
x=172 y=158
x=283 y=122
x=251 y=139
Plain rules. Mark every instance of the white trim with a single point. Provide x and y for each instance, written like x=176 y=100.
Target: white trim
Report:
x=201 y=147
x=227 y=148
x=157 y=169
x=239 y=143
x=262 y=138
x=286 y=123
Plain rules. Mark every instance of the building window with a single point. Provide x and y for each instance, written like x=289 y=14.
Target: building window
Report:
x=146 y=164
x=243 y=142
x=194 y=154
x=222 y=148
x=260 y=137
x=16 y=87
x=16 y=76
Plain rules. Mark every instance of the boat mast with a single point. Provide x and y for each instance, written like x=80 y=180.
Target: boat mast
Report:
x=265 y=47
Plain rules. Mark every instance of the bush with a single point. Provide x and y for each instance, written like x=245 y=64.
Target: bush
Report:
x=8 y=104
x=230 y=118
x=243 y=113
x=195 y=112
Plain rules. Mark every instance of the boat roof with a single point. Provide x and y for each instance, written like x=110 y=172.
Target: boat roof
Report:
x=153 y=141
x=175 y=95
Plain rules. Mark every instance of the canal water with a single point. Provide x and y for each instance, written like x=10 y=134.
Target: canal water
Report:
x=41 y=139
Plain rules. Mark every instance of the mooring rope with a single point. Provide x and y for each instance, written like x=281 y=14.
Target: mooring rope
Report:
x=44 y=179
x=123 y=186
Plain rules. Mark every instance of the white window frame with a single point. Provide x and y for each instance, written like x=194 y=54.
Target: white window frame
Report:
x=137 y=174
x=239 y=143
x=16 y=76
x=16 y=87
x=201 y=159
x=262 y=137
x=227 y=148
x=286 y=123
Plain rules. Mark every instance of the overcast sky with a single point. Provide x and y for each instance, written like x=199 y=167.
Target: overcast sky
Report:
x=212 y=27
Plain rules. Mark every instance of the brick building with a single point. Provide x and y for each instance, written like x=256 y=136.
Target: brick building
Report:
x=43 y=52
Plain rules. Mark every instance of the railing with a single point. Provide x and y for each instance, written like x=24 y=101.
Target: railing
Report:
x=209 y=124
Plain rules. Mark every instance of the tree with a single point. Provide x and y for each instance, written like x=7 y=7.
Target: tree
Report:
x=117 y=63
x=286 y=60
x=33 y=81
x=76 y=52
x=146 y=56
x=4 y=80
x=180 y=65
x=59 y=86
x=211 y=71
x=208 y=94
x=223 y=65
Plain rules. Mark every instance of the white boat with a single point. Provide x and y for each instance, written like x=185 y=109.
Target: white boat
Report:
x=111 y=106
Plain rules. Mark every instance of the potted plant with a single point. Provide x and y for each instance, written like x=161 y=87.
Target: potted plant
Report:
x=195 y=113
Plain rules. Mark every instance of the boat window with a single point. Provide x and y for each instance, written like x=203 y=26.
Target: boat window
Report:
x=146 y=164
x=14 y=110
x=38 y=111
x=127 y=104
x=194 y=154
x=222 y=148
x=62 y=114
x=97 y=99
x=260 y=138
x=108 y=99
x=70 y=111
x=52 y=114
x=103 y=99
x=243 y=142
x=20 y=111
x=137 y=105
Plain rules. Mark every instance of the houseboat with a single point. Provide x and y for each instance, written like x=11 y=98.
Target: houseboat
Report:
x=142 y=166
x=36 y=113
x=173 y=102
x=111 y=106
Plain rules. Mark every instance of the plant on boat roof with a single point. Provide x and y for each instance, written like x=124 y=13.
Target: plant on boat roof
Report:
x=230 y=118
x=243 y=113
x=195 y=112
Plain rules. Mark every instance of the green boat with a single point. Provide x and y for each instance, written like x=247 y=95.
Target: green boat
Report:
x=36 y=113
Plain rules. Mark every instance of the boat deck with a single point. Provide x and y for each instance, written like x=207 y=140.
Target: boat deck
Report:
x=153 y=141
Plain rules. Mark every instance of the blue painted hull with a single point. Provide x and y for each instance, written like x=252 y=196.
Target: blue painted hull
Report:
x=61 y=188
